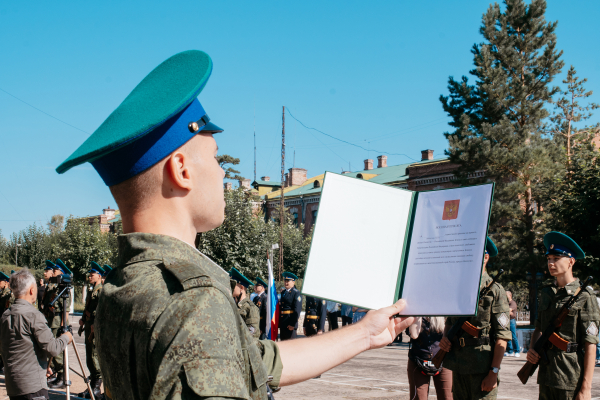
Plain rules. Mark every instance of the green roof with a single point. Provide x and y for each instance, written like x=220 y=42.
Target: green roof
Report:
x=394 y=173
x=260 y=182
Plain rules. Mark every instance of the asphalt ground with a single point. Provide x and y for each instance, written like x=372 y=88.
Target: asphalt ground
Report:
x=381 y=374
x=377 y=374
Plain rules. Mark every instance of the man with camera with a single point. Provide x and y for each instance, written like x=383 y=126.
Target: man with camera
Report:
x=53 y=316
x=27 y=342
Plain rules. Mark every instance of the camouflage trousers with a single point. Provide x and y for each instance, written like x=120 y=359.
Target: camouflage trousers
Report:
x=468 y=387
x=91 y=355
x=550 y=393
x=58 y=364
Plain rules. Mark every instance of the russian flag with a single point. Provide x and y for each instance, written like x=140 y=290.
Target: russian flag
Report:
x=272 y=306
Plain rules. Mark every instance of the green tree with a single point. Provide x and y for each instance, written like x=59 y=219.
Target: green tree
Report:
x=56 y=223
x=569 y=111
x=244 y=238
x=80 y=243
x=499 y=126
x=575 y=204
x=33 y=247
x=225 y=160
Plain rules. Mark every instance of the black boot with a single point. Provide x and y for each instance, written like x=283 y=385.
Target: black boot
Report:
x=58 y=382
x=96 y=388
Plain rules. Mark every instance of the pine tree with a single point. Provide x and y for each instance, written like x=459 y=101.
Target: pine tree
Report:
x=569 y=111
x=499 y=126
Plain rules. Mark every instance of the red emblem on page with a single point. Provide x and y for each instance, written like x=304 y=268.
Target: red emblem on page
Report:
x=451 y=209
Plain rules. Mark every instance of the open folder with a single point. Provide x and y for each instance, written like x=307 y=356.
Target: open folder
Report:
x=374 y=244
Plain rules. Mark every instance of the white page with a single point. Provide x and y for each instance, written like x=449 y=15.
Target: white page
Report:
x=445 y=257
x=357 y=243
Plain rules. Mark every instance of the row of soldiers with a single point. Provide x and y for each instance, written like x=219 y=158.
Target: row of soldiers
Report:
x=475 y=354
x=53 y=314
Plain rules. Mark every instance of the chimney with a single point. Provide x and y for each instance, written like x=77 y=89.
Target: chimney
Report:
x=228 y=186
x=286 y=180
x=368 y=164
x=426 y=155
x=245 y=183
x=297 y=176
x=381 y=161
x=265 y=178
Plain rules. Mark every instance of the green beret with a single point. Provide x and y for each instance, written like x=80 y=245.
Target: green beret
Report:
x=239 y=278
x=490 y=247
x=289 y=275
x=95 y=268
x=60 y=265
x=261 y=282
x=159 y=116
x=559 y=244
x=4 y=277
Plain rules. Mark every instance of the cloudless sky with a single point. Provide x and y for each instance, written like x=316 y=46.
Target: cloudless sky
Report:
x=368 y=72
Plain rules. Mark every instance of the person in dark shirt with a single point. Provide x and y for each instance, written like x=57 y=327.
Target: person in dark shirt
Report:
x=41 y=289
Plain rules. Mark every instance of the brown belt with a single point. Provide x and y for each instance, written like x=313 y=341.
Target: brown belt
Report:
x=286 y=312
x=312 y=317
x=562 y=344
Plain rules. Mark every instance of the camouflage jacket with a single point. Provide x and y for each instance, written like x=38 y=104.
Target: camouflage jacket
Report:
x=493 y=320
x=91 y=303
x=167 y=327
x=53 y=314
x=251 y=316
x=563 y=370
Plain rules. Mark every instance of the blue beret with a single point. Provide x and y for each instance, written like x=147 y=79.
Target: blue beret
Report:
x=60 y=265
x=289 y=275
x=160 y=115
x=95 y=268
x=239 y=278
x=4 y=277
x=490 y=247
x=49 y=265
x=261 y=282
x=559 y=244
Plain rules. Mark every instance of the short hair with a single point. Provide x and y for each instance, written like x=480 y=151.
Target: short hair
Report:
x=135 y=193
x=21 y=281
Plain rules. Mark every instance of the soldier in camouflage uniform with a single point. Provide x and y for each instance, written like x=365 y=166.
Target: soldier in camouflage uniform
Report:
x=247 y=309
x=53 y=315
x=566 y=375
x=167 y=325
x=87 y=322
x=475 y=359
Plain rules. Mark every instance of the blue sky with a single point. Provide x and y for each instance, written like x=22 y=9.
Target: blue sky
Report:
x=368 y=72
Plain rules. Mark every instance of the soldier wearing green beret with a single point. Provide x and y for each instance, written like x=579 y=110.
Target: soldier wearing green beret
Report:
x=475 y=355
x=167 y=325
x=95 y=275
x=53 y=315
x=566 y=374
x=247 y=309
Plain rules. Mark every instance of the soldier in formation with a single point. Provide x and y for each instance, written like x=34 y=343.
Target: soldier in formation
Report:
x=260 y=300
x=53 y=316
x=315 y=315
x=247 y=309
x=86 y=324
x=566 y=373
x=290 y=307
x=475 y=357
x=107 y=268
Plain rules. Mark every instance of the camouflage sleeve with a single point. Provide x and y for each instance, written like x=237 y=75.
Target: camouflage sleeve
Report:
x=500 y=318
x=204 y=355
x=272 y=361
x=589 y=320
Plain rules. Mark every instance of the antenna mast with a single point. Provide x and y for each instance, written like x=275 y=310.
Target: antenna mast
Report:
x=281 y=205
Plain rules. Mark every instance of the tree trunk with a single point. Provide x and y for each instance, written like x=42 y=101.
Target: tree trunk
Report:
x=529 y=244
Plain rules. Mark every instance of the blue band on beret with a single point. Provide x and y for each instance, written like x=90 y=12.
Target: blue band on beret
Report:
x=49 y=268
x=136 y=157
x=560 y=250
x=94 y=271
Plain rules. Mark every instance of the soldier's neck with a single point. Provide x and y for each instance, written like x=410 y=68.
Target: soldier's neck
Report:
x=564 y=279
